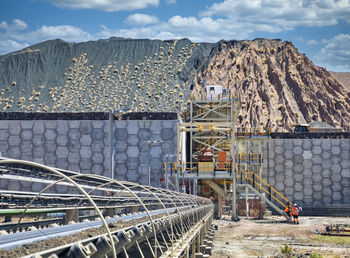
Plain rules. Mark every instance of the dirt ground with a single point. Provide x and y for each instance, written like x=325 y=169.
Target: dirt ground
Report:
x=249 y=238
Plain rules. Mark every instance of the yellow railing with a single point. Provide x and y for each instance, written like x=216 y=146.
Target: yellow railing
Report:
x=248 y=177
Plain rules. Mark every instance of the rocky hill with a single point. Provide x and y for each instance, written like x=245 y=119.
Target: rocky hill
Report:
x=342 y=77
x=277 y=85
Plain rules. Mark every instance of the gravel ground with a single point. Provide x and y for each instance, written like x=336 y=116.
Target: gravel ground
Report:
x=249 y=238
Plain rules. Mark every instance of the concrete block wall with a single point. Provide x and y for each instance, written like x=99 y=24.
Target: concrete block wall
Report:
x=82 y=145
x=312 y=172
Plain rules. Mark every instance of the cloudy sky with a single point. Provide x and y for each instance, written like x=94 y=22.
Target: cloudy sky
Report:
x=318 y=28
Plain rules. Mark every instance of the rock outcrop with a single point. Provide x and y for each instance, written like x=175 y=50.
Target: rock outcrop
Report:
x=277 y=85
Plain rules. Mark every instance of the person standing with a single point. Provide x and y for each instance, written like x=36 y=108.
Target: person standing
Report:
x=295 y=214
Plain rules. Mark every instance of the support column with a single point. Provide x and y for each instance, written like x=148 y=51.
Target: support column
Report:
x=193 y=248
x=246 y=202
x=72 y=215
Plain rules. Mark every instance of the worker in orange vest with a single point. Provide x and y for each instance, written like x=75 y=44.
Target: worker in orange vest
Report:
x=295 y=214
x=288 y=210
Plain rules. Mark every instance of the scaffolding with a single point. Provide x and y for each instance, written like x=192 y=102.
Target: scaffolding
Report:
x=223 y=157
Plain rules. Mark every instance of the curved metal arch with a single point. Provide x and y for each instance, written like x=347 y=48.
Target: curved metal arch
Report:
x=33 y=164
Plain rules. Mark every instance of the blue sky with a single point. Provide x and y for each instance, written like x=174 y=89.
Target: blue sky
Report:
x=318 y=28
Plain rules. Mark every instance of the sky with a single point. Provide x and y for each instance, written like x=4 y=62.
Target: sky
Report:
x=318 y=28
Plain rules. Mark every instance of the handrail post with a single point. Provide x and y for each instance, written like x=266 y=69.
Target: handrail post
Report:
x=253 y=180
x=269 y=192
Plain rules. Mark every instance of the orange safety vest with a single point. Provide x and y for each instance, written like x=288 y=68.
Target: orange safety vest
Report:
x=295 y=211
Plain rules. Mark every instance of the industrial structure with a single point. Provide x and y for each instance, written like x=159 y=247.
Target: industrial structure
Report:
x=224 y=162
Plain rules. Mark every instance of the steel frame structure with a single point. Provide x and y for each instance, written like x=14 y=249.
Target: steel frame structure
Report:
x=168 y=216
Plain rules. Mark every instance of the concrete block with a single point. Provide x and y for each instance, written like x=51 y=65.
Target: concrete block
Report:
x=335 y=159
x=74 y=124
x=3 y=148
x=335 y=150
x=288 y=164
x=4 y=135
x=121 y=124
x=316 y=169
x=336 y=196
x=298 y=168
x=298 y=177
x=288 y=154
x=50 y=146
x=14 y=185
x=316 y=141
x=298 y=196
x=308 y=201
x=62 y=140
x=14 y=127
x=62 y=152
x=156 y=127
x=336 y=187
x=74 y=167
x=14 y=140
x=317 y=195
x=327 y=191
x=326 y=164
x=38 y=152
x=96 y=124
x=85 y=127
x=326 y=144
x=132 y=175
x=85 y=152
x=85 y=140
x=297 y=142
x=167 y=134
x=279 y=149
x=279 y=177
x=121 y=157
x=27 y=124
x=335 y=142
x=62 y=127
x=132 y=151
x=280 y=186
x=279 y=159
x=50 y=134
x=289 y=191
x=326 y=154
x=326 y=172
x=144 y=134
x=156 y=150
x=326 y=182
x=336 y=168
x=121 y=134
x=97 y=169
x=297 y=150
x=307 y=154
x=345 y=173
x=307 y=144
x=62 y=163
x=307 y=164
x=289 y=182
x=336 y=178
x=85 y=164
x=316 y=159
x=168 y=124
x=38 y=127
x=50 y=124
x=74 y=134
x=317 y=178
x=288 y=172
x=144 y=158
x=271 y=163
x=97 y=134
x=50 y=158
x=132 y=163
x=345 y=163
x=99 y=146
x=288 y=144
x=317 y=187
x=133 y=127
x=39 y=160
x=4 y=124
x=143 y=124
x=132 y=139
x=308 y=191
x=326 y=200
x=316 y=150
x=307 y=172
x=298 y=187
x=97 y=157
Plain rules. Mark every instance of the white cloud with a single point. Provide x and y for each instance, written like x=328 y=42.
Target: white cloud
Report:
x=335 y=55
x=16 y=37
x=276 y=16
x=171 y=1
x=15 y=26
x=105 y=5
x=139 y=19
x=312 y=42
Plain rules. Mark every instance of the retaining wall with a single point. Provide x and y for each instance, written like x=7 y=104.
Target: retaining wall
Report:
x=311 y=172
x=83 y=145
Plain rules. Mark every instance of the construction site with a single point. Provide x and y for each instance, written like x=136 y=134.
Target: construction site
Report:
x=128 y=184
